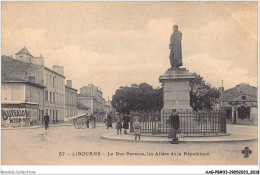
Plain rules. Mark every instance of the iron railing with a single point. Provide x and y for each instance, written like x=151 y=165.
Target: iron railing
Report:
x=203 y=122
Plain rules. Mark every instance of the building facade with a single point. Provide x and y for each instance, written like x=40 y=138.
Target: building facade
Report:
x=54 y=94
x=41 y=86
x=108 y=107
x=240 y=103
x=22 y=92
x=91 y=97
x=70 y=100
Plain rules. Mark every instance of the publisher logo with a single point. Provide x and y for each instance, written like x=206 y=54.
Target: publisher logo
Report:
x=246 y=151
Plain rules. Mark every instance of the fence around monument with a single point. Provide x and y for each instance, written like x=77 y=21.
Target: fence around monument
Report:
x=205 y=122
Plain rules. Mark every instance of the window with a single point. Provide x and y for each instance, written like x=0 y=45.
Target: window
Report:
x=14 y=94
x=46 y=79
x=46 y=95
x=30 y=94
x=53 y=82
x=50 y=79
x=31 y=78
x=39 y=115
x=54 y=94
x=50 y=97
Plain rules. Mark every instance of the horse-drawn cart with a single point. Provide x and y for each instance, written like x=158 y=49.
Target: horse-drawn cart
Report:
x=79 y=121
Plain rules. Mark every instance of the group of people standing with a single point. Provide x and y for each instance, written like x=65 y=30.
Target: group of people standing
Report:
x=122 y=121
x=173 y=121
x=121 y=118
x=91 y=119
x=125 y=119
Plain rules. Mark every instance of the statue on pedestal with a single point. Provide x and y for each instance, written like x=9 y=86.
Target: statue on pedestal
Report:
x=175 y=46
x=175 y=81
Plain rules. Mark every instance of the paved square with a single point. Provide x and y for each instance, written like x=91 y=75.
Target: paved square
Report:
x=66 y=145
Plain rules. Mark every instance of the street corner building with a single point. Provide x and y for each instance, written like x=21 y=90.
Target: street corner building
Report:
x=30 y=90
x=240 y=104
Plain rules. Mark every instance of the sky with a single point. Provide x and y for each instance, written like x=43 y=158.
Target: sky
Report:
x=113 y=44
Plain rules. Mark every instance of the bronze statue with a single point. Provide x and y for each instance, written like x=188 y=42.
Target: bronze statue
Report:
x=175 y=46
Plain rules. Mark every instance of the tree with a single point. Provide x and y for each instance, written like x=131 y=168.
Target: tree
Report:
x=202 y=95
x=137 y=97
x=145 y=97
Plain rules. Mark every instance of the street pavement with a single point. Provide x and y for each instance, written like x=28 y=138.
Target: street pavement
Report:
x=65 y=145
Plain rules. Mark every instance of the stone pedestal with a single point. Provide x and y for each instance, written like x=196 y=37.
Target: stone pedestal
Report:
x=176 y=90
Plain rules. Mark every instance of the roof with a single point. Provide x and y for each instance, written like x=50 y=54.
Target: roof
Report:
x=239 y=90
x=82 y=106
x=70 y=88
x=15 y=70
x=18 y=102
x=82 y=96
x=24 y=51
x=48 y=69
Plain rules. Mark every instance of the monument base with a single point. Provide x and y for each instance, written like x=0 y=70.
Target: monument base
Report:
x=176 y=90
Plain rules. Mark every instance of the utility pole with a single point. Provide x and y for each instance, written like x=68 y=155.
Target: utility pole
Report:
x=222 y=88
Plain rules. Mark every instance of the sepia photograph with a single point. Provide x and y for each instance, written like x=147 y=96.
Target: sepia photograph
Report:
x=129 y=83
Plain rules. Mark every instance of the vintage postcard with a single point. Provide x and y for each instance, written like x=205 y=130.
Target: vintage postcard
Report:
x=129 y=83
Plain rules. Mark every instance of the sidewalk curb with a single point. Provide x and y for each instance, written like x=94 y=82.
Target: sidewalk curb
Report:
x=191 y=136
x=59 y=125
x=106 y=137
x=35 y=127
x=42 y=126
x=18 y=128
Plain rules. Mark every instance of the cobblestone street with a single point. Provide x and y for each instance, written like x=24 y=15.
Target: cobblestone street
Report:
x=61 y=146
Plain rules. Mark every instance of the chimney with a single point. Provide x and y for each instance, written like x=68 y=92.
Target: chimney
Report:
x=38 y=60
x=58 y=69
x=69 y=83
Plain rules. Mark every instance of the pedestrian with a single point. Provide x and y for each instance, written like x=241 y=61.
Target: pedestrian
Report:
x=109 y=121
x=126 y=120
x=174 y=122
x=105 y=121
x=137 y=128
x=87 y=121
x=119 y=125
x=46 y=121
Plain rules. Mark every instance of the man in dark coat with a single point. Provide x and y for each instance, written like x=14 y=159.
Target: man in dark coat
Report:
x=87 y=120
x=174 y=122
x=109 y=121
x=46 y=121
